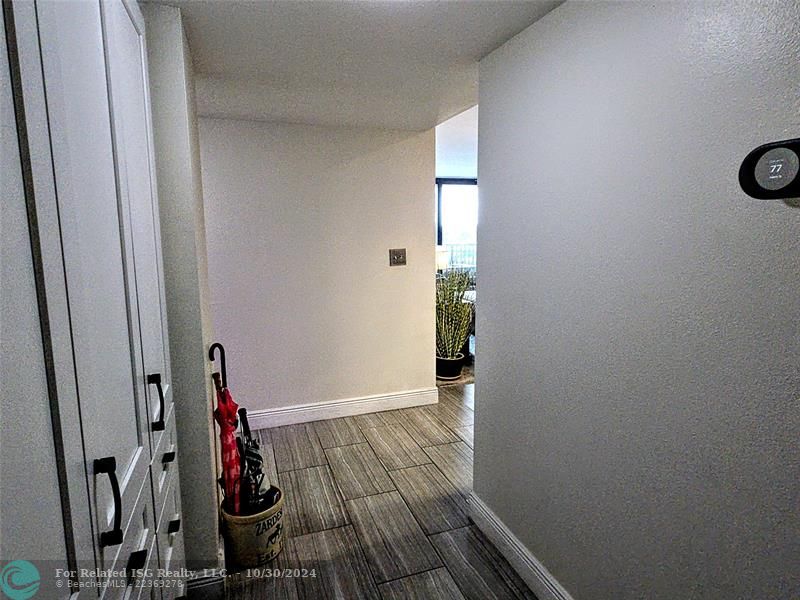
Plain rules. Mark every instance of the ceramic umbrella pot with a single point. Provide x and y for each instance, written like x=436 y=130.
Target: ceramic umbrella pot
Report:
x=252 y=511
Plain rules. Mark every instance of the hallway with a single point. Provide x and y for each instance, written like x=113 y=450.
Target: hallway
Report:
x=376 y=509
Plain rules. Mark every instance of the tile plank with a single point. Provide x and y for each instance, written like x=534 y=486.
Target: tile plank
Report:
x=477 y=567
x=297 y=447
x=455 y=461
x=434 y=501
x=241 y=586
x=337 y=562
x=425 y=427
x=312 y=501
x=431 y=585
x=468 y=395
x=357 y=471
x=264 y=440
x=395 y=447
x=393 y=542
x=270 y=469
x=462 y=394
x=263 y=436
x=338 y=432
x=467 y=434
x=451 y=413
x=377 y=419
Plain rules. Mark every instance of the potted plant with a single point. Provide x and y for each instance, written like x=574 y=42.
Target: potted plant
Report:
x=453 y=322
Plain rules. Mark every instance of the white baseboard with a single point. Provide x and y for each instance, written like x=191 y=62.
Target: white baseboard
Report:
x=348 y=407
x=532 y=571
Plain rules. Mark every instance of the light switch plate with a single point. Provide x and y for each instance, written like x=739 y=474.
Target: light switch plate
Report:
x=397 y=257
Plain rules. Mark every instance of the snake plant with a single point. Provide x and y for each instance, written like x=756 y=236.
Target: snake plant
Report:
x=453 y=314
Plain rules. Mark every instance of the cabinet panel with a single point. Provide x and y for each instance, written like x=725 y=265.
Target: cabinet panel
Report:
x=140 y=534
x=138 y=552
x=165 y=463
x=170 y=537
x=96 y=259
x=147 y=588
x=86 y=86
x=26 y=429
x=124 y=28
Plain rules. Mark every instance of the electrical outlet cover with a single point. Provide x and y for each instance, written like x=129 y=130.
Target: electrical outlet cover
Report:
x=397 y=257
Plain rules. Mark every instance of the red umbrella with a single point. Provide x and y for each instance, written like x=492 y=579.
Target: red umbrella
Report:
x=226 y=415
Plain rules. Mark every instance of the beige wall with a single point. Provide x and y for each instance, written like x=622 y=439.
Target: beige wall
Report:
x=185 y=276
x=299 y=222
x=638 y=373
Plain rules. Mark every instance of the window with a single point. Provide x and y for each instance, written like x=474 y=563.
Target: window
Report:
x=457 y=220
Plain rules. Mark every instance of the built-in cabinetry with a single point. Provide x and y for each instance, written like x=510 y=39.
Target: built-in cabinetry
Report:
x=79 y=76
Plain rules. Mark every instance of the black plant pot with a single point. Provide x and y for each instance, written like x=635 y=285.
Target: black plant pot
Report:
x=448 y=369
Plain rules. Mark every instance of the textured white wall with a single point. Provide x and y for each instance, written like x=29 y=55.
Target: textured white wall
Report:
x=299 y=222
x=639 y=371
x=185 y=275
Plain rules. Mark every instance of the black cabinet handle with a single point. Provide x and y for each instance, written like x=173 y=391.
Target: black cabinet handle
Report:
x=155 y=379
x=174 y=526
x=108 y=466
x=168 y=457
x=137 y=560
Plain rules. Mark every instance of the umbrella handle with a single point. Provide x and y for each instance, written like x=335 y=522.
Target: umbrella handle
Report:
x=245 y=423
x=223 y=367
x=217 y=382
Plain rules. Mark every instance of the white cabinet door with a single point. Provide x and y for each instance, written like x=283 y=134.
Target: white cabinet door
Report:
x=26 y=427
x=127 y=70
x=98 y=266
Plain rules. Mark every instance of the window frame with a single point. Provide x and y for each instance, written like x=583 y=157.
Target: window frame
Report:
x=442 y=181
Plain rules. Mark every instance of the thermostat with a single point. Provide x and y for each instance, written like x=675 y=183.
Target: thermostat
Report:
x=771 y=171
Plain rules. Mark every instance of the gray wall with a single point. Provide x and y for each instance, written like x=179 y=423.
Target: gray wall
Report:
x=638 y=377
x=185 y=275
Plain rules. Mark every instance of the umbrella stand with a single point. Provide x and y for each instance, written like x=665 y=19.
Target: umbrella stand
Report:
x=252 y=515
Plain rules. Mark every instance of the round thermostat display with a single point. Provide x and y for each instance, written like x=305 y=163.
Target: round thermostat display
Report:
x=777 y=168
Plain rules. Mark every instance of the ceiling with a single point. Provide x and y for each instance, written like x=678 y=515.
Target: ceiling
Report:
x=457 y=146
x=399 y=64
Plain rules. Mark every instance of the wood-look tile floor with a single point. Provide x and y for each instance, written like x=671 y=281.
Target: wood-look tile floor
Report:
x=376 y=508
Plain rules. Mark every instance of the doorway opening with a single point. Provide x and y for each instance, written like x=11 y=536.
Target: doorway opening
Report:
x=456 y=216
